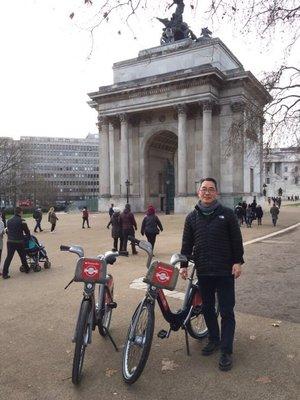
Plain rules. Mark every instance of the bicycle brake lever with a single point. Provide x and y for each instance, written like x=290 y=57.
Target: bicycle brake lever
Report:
x=66 y=287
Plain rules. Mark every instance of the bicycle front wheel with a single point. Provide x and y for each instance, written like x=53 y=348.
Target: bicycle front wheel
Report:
x=82 y=336
x=138 y=342
x=106 y=297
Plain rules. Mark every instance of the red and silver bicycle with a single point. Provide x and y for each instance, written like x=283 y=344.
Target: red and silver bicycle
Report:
x=93 y=312
x=140 y=333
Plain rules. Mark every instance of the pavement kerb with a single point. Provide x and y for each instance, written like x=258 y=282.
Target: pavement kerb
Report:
x=272 y=234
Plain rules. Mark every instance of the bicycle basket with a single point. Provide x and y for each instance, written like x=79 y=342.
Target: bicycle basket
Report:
x=162 y=276
x=90 y=270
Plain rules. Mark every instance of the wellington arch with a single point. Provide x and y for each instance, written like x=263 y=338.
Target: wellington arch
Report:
x=167 y=121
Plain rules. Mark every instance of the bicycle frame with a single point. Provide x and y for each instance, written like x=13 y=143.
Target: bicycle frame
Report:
x=178 y=319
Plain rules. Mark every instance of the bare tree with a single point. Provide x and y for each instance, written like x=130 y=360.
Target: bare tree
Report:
x=9 y=168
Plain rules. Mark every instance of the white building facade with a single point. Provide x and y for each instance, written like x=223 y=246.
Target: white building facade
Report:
x=282 y=170
x=175 y=114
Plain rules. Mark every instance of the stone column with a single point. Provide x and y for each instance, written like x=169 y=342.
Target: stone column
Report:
x=112 y=125
x=207 y=140
x=124 y=153
x=182 y=150
x=104 y=172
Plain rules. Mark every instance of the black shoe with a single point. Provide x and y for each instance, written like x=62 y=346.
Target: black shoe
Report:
x=210 y=348
x=26 y=270
x=6 y=276
x=225 y=362
x=135 y=253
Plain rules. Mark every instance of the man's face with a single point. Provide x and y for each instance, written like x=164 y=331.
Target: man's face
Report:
x=207 y=192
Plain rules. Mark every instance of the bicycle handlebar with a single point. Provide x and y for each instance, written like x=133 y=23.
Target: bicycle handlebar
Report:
x=134 y=240
x=64 y=248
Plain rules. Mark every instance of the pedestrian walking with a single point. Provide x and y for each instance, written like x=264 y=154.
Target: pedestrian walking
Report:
x=85 y=217
x=274 y=211
x=2 y=230
x=3 y=216
x=116 y=229
x=111 y=210
x=239 y=212
x=52 y=218
x=16 y=228
x=37 y=216
x=259 y=214
x=213 y=236
x=128 y=224
x=249 y=216
x=151 y=226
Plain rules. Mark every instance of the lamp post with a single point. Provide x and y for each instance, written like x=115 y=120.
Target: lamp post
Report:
x=127 y=183
x=167 y=197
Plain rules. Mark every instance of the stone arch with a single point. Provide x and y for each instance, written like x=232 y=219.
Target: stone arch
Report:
x=160 y=168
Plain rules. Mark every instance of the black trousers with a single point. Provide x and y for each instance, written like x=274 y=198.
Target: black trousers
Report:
x=38 y=225
x=85 y=220
x=151 y=239
x=53 y=225
x=224 y=287
x=115 y=244
x=126 y=233
x=11 y=248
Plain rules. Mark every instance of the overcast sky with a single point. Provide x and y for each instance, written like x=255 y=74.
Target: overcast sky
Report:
x=46 y=74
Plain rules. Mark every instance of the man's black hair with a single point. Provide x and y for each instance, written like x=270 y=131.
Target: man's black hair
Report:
x=209 y=180
x=18 y=210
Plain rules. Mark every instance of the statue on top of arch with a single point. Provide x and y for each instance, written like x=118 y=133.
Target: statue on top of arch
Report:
x=175 y=29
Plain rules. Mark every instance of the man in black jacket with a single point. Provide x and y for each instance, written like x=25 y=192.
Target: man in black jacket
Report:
x=16 y=228
x=212 y=235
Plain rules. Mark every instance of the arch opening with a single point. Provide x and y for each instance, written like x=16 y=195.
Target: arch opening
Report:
x=160 y=170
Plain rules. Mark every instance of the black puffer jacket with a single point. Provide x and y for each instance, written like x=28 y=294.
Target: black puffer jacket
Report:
x=151 y=225
x=16 y=228
x=214 y=240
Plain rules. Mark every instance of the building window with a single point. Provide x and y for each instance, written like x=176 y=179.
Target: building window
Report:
x=296 y=169
x=296 y=180
x=278 y=168
x=251 y=180
x=285 y=169
x=285 y=178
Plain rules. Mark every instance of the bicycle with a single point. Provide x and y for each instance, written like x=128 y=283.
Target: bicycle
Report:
x=92 y=272
x=140 y=333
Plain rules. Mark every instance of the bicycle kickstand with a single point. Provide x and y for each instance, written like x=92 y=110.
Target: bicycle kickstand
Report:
x=106 y=331
x=187 y=342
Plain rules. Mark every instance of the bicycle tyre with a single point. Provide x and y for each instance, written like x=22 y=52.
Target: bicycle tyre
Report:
x=105 y=312
x=134 y=341
x=196 y=325
x=81 y=341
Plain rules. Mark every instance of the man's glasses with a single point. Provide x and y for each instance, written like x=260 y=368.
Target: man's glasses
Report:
x=205 y=190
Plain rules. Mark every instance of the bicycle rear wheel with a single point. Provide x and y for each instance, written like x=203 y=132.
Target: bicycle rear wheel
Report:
x=196 y=325
x=82 y=336
x=138 y=342
x=105 y=310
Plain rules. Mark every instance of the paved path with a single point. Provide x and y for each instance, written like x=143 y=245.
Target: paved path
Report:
x=37 y=321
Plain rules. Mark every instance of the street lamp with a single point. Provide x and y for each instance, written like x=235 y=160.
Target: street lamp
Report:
x=127 y=183
x=167 y=197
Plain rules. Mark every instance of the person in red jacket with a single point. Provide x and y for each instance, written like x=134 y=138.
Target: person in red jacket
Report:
x=85 y=217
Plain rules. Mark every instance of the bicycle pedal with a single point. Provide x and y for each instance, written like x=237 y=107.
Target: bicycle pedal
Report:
x=113 y=304
x=162 y=334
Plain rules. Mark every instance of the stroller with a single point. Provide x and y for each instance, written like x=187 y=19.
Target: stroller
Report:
x=35 y=253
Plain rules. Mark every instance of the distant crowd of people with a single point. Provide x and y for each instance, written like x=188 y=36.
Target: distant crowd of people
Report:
x=247 y=213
